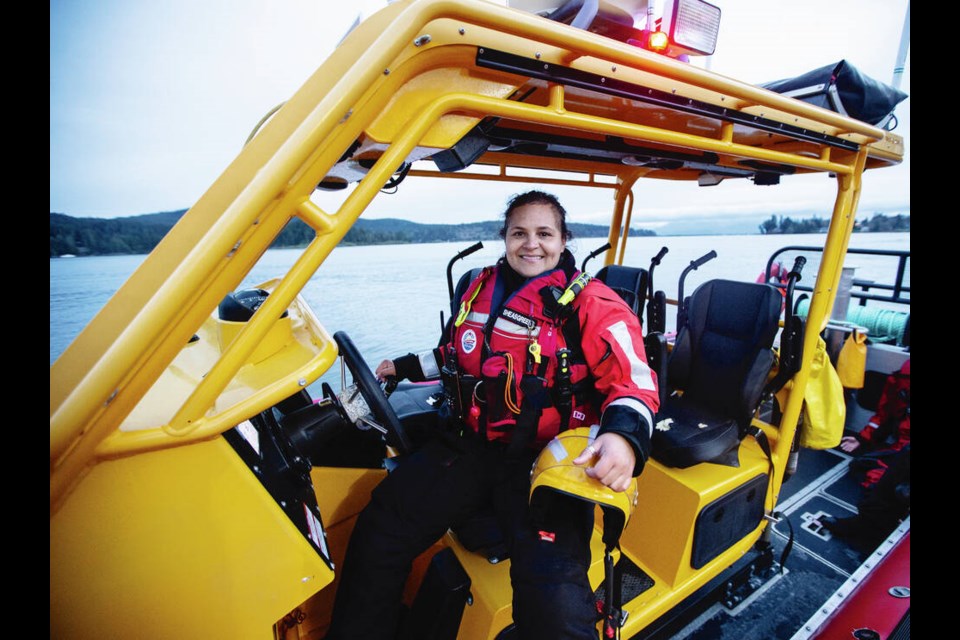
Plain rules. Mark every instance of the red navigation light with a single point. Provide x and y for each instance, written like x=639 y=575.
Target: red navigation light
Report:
x=658 y=41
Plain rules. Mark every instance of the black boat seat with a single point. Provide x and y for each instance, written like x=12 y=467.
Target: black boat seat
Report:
x=630 y=283
x=465 y=279
x=720 y=363
x=468 y=276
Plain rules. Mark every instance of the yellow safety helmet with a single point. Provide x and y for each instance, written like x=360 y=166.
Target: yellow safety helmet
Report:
x=554 y=471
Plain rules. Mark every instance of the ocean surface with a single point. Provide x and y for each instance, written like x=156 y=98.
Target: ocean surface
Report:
x=389 y=298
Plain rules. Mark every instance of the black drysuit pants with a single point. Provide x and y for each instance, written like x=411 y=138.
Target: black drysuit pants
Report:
x=437 y=488
x=886 y=504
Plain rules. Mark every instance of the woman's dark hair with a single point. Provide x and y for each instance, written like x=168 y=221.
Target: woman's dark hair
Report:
x=536 y=197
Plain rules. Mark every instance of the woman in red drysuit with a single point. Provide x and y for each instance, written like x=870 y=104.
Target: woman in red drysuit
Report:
x=537 y=348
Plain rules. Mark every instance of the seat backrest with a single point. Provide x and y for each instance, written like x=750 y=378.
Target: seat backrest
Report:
x=721 y=361
x=655 y=344
x=723 y=353
x=630 y=283
x=468 y=276
x=461 y=288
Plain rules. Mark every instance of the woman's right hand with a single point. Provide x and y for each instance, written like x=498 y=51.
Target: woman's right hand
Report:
x=610 y=460
x=385 y=369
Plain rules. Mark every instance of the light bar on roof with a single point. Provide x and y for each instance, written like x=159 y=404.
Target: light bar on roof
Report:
x=692 y=25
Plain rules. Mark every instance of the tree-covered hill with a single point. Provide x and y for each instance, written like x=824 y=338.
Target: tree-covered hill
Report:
x=109 y=236
x=878 y=223
x=140 y=234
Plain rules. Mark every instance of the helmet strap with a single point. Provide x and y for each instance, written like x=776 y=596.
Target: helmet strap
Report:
x=613 y=617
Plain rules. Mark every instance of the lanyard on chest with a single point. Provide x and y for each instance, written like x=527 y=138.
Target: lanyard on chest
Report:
x=556 y=304
x=542 y=313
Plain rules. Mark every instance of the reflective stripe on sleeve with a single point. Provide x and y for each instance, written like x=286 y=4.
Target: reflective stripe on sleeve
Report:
x=639 y=371
x=428 y=364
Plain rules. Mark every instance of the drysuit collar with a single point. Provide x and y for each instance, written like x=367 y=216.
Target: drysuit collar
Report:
x=513 y=280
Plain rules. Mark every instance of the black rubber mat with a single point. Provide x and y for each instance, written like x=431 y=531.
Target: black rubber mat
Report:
x=847 y=488
x=811 y=465
x=811 y=537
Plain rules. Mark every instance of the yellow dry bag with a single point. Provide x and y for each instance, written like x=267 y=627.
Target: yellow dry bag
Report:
x=852 y=361
x=824 y=409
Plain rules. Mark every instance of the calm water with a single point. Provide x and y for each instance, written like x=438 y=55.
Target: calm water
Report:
x=389 y=298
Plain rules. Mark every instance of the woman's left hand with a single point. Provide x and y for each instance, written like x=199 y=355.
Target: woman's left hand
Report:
x=613 y=459
x=385 y=369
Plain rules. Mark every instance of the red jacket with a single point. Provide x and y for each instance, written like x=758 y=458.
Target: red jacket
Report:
x=892 y=419
x=613 y=385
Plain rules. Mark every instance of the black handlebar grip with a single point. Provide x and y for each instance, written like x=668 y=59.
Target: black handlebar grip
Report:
x=699 y=262
x=798 y=265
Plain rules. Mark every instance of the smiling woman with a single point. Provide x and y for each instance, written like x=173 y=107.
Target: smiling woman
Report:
x=535 y=233
x=530 y=330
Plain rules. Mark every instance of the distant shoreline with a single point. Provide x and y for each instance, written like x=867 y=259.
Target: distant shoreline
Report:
x=599 y=237
x=138 y=235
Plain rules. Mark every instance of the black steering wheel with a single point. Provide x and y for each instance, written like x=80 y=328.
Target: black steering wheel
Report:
x=370 y=390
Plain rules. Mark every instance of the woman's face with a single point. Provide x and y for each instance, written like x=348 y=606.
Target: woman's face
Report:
x=534 y=241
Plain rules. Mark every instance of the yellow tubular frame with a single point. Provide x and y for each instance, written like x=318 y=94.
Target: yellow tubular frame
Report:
x=107 y=370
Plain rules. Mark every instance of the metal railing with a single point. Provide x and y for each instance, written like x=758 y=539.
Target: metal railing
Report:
x=899 y=293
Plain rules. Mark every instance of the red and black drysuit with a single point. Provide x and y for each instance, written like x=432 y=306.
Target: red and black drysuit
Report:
x=886 y=467
x=514 y=408
x=888 y=430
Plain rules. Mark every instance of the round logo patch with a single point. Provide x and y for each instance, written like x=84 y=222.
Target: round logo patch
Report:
x=468 y=342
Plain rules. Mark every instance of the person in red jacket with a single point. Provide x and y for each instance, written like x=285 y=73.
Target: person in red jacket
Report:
x=886 y=467
x=887 y=431
x=536 y=348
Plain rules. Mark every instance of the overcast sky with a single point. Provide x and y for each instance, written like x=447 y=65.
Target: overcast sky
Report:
x=150 y=101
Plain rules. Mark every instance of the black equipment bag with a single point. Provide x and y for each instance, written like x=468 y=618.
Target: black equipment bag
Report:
x=842 y=88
